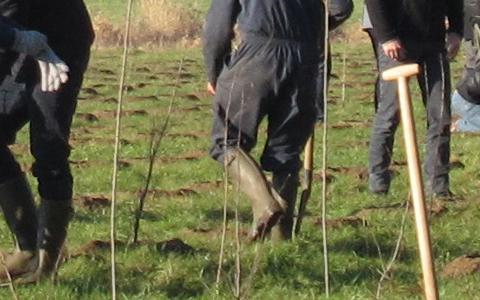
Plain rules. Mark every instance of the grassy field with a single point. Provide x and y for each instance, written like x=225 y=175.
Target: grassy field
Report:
x=180 y=235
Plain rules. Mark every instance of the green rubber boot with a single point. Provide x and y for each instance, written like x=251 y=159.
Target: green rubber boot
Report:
x=286 y=184
x=53 y=218
x=16 y=201
x=248 y=176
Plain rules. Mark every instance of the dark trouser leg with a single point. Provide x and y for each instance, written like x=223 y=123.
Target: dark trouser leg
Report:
x=321 y=85
x=50 y=120
x=377 y=80
x=16 y=201
x=17 y=205
x=435 y=84
x=383 y=132
x=290 y=124
x=238 y=110
x=286 y=184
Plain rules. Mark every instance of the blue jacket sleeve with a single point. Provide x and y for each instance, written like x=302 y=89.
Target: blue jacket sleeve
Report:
x=218 y=34
x=7 y=34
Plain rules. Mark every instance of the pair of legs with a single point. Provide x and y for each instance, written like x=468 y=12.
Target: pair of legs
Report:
x=40 y=233
x=266 y=78
x=468 y=114
x=466 y=99
x=434 y=83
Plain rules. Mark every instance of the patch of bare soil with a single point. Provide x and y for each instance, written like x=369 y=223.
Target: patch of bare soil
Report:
x=109 y=114
x=110 y=100
x=462 y=266
x=92 y=202
x=206 y=185
x=195 y=155
x=98 y=85
x=353 y=221
x=213 y=233
x=191 y=97
x=357 y=172
x=93 y=247
x=106 y=72
x=436 y=208
x=351 y=124
x=189 y=109
x=455 y=163
x=89 y=117
x=174 y=246
x=143 y=69
x=143 y=98
x=192 y=135
x=182 y=192
x=318 y=177
x=399 y=163
x=367 y=211
x=90 y=91
x=141 y=85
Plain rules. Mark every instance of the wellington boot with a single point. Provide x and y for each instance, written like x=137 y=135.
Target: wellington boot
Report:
x=250 y=179
x=53 y=217
x=16 y=201
x=17 y=264
x=286 y=184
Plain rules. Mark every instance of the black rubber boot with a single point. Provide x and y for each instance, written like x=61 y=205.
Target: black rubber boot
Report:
x=53 y=218
x=250 y=179
x=16 y=201
x=286 y=184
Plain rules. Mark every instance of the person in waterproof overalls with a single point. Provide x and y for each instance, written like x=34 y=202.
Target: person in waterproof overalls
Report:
x=415 y=31
x=271 y=74
x=40 y=234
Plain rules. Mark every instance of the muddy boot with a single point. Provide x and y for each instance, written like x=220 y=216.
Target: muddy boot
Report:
x=246 y=173
x=286 y=184
x=53 y=219
x=16 y=201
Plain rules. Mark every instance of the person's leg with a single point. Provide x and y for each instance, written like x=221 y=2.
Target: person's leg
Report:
x=470 y=121
x=369 y=31
x=460 y=107
x=50 y=122
x=18 y=208
x=435 y=84
x=383 y=131
x=290 y=123
x=16 y=200
x=238 y=109
x=321 y=84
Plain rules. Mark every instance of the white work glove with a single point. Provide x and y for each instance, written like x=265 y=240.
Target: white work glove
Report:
x=53 y=70
x=452 y=43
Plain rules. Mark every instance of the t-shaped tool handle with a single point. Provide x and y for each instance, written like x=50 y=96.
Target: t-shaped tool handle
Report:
x=403 y=71
x=401 y=74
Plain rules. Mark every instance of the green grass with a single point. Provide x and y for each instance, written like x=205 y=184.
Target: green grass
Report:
x=287 y=271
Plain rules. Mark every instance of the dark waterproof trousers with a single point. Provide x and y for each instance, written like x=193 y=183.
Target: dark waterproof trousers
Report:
x=49 y=115
x=434 y=82
x=269 y=78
